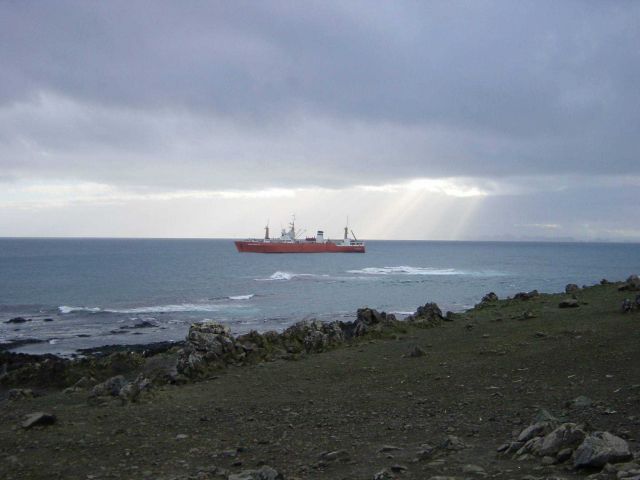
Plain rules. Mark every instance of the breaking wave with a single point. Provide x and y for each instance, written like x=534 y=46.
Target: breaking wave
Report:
x=241 y=297
x=182 y=307
x=65 y=309
x=406 y=270
x=283 y=276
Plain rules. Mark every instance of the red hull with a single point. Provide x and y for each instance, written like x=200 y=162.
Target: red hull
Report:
x=298 y=247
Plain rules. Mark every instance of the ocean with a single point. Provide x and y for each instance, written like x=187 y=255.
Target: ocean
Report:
x=82 y=293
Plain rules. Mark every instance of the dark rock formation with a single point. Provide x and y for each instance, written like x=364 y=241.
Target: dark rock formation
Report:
x=526 y=295
x=489 y=297
x=571 y=288
x=210 y=345
x=632 y=284
x=428 y=315
x=17 y=320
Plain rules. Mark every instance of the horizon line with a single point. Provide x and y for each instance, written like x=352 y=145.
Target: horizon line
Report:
x=514 y=240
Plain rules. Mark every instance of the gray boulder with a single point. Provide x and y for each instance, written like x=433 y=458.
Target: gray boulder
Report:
x=600 y=448
x=428 y=314
x=209 y=344
x=110 y=387
x=567 y=435
x=569 y=303
x=132 y=390
x=38 y=418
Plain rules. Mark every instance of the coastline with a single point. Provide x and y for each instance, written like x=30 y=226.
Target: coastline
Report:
x=479 y=376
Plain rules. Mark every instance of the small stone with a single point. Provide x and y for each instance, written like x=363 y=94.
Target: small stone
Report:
x=451 y=442
x=474 y=470
x=181 y=436
x=335 y=456
x=383 y=475
x=38 y=418
x=417 y=352
x=580 y=402
x=547 y=460
x=398 y=468
x=263 y=473
x=388 y=448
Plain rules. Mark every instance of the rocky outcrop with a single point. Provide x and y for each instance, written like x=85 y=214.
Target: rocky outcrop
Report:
x=526 y=295
x=557 y=443
x=18 y=320
x=489 y=298
x=571 y=288
x=208 y=343
x=632 y=284
x=119 y=387
x=427 y=315
x=210 y=346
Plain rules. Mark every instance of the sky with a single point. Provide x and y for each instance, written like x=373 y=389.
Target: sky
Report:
x=465 y=120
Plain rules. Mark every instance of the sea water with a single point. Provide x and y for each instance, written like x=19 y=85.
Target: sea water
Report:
x=80 y=293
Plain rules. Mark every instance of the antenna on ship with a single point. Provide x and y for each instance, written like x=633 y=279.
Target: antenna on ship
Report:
x=292 y=232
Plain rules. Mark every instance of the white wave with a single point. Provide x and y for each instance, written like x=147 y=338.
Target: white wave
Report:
x=182 y=307
x=241 y=297
x=406 y=270
x=282 y=276
x=65 y=309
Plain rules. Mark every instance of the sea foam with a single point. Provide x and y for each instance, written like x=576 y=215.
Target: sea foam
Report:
x=406 y=270
x=65 y=309
x=241 y=297
x=282 y=276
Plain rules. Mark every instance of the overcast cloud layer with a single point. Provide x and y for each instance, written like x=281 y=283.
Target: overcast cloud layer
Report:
x=104 y=102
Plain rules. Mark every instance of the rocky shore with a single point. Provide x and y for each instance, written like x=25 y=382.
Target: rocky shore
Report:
x=532 y=386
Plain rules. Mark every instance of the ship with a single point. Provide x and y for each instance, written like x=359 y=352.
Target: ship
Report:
x=288 y=242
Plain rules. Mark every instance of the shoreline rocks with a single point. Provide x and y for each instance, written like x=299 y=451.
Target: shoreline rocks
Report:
x=210 y=346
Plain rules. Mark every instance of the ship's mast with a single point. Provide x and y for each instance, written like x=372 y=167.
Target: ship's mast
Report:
x=266 y=232
x=292 y=231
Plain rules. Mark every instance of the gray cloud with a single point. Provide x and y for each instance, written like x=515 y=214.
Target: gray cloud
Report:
x=324 y=93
